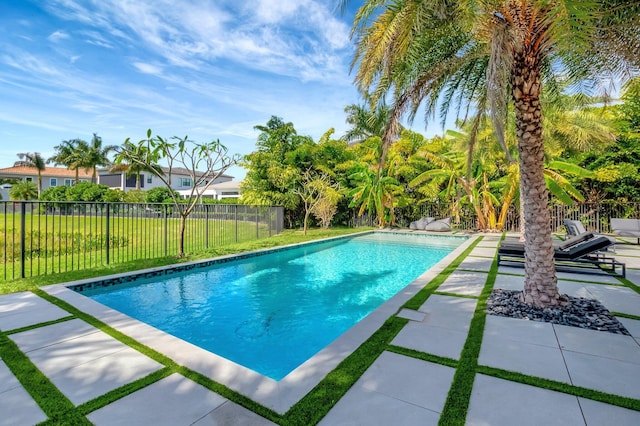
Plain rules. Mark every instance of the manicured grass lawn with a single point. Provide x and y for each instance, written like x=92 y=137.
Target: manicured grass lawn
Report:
x=64 y=243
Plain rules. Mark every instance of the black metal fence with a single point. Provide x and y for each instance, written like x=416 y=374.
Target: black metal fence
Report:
x=595 y=217
x=39 y=238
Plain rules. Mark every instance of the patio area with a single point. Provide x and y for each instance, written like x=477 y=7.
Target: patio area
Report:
x=523 y=372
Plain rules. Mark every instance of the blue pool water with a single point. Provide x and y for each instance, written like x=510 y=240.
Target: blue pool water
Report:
x=272 y=312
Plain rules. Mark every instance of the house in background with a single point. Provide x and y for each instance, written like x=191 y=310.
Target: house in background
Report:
x=51 y=176
x=217 y=191
x=180 y=179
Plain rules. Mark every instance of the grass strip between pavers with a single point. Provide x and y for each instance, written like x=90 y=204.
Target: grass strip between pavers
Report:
x=620 y=401
x=449 y=362
x=457 y=403
x=463 y=296
x=55 y=405
x=623 y=315
x=39 y=325
x=124 y=390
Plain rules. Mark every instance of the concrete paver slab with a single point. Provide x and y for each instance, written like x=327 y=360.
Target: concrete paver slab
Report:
x=92 y=379
x=231 y=414
x=7 y=380
x=498 y=402
x=616 y=298
x=533 y=360
x=20 y=302
x=412 y=315
x=604 y=374
x=387 y=394
x=24 y=309
x=465 y=283
x=509 y=282
x=598 y=343
x=632 y=326
x=71 y=353
x=360 y=407
x=52 y=334
x=449 y=311
x=18 y=408
x=574 y=289
x=476 y=263
x=600 y=414
x=592 y=277
x=433 y=340
x=172 y=401
x=520 y=330
x=391 y=374
x=489 y=252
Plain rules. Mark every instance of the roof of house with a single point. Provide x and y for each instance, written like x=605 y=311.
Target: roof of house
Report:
x=19 y=171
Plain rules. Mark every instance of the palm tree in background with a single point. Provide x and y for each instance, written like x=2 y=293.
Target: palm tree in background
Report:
x=96 y=155
x=484 y=54
x=365 y=122
x=71 y=154
x=35 y=160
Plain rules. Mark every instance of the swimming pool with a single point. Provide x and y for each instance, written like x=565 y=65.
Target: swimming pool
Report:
x=273 y=311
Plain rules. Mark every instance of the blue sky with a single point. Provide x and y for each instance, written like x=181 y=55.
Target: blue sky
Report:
x=207 y=69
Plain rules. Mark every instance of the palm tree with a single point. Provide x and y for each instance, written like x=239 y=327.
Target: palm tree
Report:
x=480 y=54
x=365 y=122
x=70 y=154
x=97 y=155
x=35 y=160
x=23 y=191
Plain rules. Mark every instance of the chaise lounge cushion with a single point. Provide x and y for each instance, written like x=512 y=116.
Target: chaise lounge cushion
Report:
x=440 y=225
x=421 y=223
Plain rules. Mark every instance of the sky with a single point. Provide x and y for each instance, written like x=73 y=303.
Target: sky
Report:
x=209 y=69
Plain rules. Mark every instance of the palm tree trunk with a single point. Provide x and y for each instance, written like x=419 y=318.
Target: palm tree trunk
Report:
x=540 y=285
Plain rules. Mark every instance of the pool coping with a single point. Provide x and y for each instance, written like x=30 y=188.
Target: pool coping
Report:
x=276 y=395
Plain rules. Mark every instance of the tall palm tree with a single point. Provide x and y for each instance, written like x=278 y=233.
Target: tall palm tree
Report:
x=97 y=155
x=481 y=54
x=71 y=154
x=365 y=122
x=35 y=160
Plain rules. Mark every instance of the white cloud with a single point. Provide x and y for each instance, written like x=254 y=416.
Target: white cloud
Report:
x=297 y=38
x=146 y=68
x=56 y=36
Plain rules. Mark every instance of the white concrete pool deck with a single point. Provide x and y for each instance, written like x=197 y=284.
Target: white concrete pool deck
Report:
x=84 y=362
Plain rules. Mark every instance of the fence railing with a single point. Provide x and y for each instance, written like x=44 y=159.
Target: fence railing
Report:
x=595 y=217
x=39 y=238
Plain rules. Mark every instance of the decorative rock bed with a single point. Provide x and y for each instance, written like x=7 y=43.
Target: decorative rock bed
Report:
x=578 y=312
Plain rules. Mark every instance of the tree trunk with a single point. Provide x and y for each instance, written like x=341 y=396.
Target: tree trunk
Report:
x=540 y=284
x=183 y=221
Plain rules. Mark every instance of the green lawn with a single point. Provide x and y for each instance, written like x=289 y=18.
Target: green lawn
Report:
x=65 y=243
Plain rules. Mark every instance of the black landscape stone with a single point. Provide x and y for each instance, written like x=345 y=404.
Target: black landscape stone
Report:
x=578 y=312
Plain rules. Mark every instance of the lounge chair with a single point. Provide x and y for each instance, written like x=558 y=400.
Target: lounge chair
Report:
x=585 y=251
x=574 y=227
x=626 y=227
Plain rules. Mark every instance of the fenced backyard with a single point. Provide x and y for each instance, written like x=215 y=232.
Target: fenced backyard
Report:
x=39 y=238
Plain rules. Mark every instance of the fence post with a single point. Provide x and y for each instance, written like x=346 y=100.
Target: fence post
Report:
x=166 y=231
x=257 y=224
x=23 y=236
x=206 y=226
x=236 y=220
x=108 y=231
